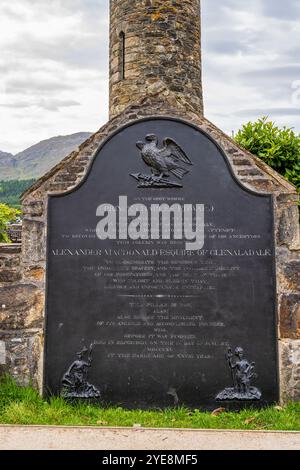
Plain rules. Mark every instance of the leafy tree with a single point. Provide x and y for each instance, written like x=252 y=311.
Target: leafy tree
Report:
x=279 y=148
x=7 y=214
x=10 y=191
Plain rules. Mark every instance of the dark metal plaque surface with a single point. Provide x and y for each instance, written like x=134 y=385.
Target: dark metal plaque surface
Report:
x=146 y=322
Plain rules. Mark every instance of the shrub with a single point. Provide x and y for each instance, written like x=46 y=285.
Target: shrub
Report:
x=279 y=148
x=7 y=214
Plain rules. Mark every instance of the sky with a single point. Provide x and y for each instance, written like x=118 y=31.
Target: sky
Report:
x=54 y=66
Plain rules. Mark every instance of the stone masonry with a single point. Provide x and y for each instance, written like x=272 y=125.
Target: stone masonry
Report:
x=23 y=268
x=161 y=43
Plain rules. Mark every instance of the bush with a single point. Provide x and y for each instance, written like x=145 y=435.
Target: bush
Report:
x=279 y=148
x=7 y=214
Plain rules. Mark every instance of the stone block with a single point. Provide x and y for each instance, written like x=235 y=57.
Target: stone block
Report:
x=9 y=275
x=10 y=260
x=24 y=355
x=34 y=241
x=289 y=316
x=21 y=306
x=292 y=275
x=2 y=353
x=288 y=227
x=33 y=208
x=35 y=273
x=290 y=370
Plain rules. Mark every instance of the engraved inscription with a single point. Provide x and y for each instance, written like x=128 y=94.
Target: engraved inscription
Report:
x=160 y=316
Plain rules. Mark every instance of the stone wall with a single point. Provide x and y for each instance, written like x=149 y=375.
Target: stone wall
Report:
x=162 y=43
x=10 y=259
x=21 y=317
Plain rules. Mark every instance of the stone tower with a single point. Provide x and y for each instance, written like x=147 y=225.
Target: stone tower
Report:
x=151 y=42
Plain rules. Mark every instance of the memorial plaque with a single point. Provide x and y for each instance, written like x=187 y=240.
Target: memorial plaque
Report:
x=161 y=278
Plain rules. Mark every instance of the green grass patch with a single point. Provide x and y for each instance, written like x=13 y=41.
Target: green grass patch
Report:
x=23 y=405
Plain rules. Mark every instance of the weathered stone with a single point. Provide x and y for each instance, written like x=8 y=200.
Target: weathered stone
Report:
x=288 y=270
x=241 y=162
x=33 y=208
x=288 y=227
x=9 y=275
x=21 y=307
x=250 y=172
x=162 y=42
x=35 y=273
x=34 y=241
x=261 y=185
x=289 y=353
x=2 y=353
x=288 y=198
x=292 y=275
x=10 y=259
x=10 y=248
x=23 y=356
x=290 y=316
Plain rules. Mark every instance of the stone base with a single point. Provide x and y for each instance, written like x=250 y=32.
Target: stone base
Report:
x=230 y=394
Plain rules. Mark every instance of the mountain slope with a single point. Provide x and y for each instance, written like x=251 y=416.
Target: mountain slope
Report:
x=7 y=165
x=4 y=155
x=38 y=159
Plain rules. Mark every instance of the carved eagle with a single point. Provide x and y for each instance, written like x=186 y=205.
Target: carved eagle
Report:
x=165 y=160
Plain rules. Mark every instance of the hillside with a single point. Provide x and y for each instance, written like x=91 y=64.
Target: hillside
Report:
x=7 y=165
x=4 y=155
x=38 y=159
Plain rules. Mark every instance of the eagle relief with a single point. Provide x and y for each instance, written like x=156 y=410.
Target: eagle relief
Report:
x=169 y=160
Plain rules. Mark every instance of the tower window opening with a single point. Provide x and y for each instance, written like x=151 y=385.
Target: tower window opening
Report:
x=122 y=39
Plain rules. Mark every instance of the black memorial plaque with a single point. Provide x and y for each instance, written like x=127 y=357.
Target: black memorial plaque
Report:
x=145 y=322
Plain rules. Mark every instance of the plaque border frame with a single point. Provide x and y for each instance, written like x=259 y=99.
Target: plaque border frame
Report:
x=270 y=196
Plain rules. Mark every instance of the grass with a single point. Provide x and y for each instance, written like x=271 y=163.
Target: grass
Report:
x=23 y=405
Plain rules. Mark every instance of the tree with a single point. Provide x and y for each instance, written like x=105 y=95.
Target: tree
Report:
x=7 y=214
x=10 y=191
x=279 y=148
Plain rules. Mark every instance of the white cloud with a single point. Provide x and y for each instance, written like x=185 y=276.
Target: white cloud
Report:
x=54 y=65
x=53 y=69
x=250 y=61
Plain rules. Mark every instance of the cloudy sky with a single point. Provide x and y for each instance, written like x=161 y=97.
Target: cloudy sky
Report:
x=54 y=65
